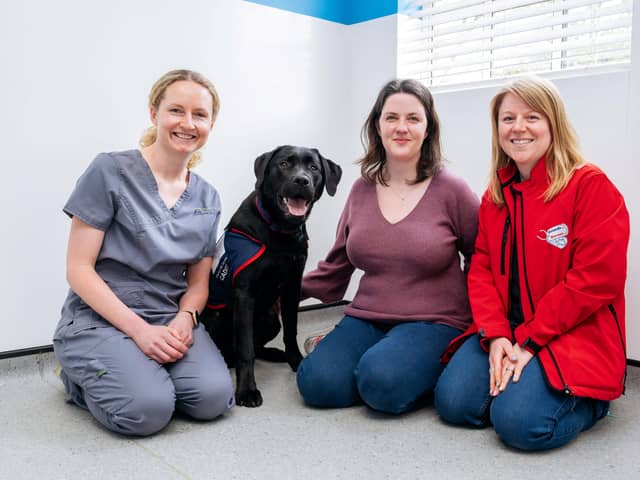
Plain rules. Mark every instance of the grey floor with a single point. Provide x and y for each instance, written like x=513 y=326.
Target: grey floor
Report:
x=42 y=437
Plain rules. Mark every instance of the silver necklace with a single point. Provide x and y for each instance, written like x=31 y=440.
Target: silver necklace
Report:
x=397 y=194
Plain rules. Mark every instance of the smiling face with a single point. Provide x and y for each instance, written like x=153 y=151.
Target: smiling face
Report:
x=297 y=180
x=183 y=118
x=290 y=179
x=523 y=133
x=402 y=127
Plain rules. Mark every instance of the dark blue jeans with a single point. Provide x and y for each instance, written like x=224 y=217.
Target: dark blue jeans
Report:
x=528 y=415
x=387 y=367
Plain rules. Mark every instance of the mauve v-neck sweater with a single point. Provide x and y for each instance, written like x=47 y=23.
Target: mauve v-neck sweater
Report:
x=412 y=268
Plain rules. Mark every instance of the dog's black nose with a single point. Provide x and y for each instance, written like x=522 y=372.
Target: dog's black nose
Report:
x=302 y=180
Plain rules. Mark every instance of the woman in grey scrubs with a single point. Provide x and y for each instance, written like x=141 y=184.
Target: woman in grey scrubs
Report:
x=142 y=239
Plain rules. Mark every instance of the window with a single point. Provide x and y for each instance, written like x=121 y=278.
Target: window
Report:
x=448 y=42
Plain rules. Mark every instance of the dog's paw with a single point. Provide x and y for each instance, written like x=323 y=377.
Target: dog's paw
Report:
x=294 y=359
x=249 y=398
x=271 y=354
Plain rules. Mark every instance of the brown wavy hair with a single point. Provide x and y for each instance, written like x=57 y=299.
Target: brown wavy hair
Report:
x=372 y=164
x=157 y=95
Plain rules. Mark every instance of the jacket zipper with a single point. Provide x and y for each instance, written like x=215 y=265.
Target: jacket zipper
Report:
x=624 y=347
x=507 y=223
x=524 y=258
x=565 y=387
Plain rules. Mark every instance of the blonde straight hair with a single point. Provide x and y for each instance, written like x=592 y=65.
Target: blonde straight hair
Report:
x=157 y=94
x=563 y=156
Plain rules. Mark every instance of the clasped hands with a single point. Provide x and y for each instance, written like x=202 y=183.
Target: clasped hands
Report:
x=506 y=362
x=166 y=344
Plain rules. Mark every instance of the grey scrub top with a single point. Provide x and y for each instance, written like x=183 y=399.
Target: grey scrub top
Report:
x=147 y=247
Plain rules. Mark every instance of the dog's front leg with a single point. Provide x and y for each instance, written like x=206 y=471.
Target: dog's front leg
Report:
x=289 y=300
x=247 y=393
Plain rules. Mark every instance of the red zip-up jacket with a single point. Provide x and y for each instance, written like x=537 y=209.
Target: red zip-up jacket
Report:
x=572 y=260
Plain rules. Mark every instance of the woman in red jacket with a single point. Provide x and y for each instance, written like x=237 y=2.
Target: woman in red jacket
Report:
x=546 y=351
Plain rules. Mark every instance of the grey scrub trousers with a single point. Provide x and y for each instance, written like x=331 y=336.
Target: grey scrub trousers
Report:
x=146 y=250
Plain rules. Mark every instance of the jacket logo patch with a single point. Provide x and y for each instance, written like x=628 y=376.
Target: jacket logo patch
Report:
x=556 y=236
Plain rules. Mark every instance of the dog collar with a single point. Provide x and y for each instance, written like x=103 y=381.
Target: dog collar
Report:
x=274 y=226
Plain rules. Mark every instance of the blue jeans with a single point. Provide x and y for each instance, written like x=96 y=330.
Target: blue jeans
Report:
x=387 y=367
x=528 y=415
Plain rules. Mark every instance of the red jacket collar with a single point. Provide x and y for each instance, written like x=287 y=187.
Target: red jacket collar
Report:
x=539 y=177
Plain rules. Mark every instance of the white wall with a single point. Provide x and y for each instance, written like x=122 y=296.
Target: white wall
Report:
x=74 y=80
x=631 y=190
x=75 y=77
x=369 y=63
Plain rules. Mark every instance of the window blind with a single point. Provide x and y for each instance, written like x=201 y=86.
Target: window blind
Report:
x=448 y=42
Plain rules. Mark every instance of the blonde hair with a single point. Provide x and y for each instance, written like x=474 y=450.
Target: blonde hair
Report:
x=157 y=95
x=563 y=156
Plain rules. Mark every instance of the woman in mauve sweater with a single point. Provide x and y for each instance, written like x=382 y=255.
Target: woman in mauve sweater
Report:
x=406 y=224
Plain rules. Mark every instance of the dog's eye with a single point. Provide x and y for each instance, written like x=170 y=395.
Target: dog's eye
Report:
x=284 y=164
x=313 y=167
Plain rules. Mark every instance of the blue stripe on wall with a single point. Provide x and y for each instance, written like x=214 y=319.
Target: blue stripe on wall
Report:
x=347 y=12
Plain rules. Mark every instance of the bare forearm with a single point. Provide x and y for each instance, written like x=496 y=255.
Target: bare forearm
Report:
x=194 y=299
x=92 y=289
x=197 y=292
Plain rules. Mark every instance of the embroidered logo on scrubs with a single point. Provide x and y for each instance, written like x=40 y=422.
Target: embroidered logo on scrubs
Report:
x=203 y=211
x=556 y=236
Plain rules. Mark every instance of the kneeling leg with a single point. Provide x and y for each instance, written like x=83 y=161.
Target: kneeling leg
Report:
x=530 y=415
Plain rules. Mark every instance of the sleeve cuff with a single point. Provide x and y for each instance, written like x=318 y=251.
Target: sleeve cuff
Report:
x=525 y=340
x=485 y=338
x=531 y=346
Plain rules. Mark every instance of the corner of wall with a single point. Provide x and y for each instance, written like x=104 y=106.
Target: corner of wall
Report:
x=339 y=11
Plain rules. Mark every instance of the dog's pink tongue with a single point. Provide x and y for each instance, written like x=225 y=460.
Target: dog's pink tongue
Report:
x=297 y=206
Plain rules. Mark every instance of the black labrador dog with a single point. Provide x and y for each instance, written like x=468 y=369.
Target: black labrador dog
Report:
x=265 y=251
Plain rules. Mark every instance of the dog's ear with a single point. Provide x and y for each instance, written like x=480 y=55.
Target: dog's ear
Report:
x=331 y=172
x=260 y=166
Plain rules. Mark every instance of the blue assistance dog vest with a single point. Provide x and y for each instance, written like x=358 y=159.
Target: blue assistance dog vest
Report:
x=235 y=250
